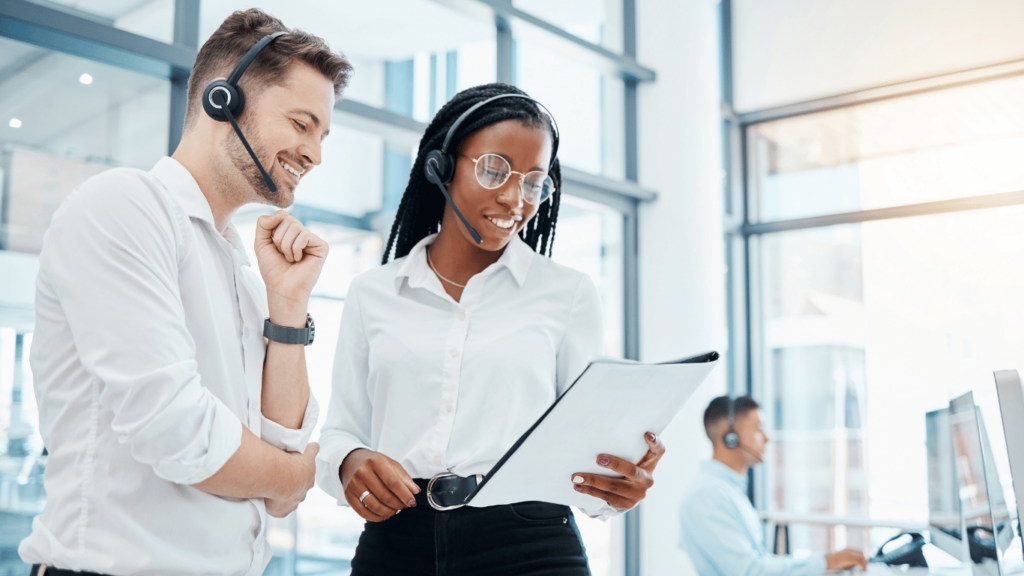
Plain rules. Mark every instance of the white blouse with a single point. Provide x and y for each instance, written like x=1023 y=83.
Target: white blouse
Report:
x=440 y=385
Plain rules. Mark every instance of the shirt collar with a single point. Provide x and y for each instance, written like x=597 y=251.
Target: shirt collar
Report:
x=185 y=191
x=716 y=469
x=517 y=258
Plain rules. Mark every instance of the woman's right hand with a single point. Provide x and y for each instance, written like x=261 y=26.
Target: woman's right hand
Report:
x=391 y=488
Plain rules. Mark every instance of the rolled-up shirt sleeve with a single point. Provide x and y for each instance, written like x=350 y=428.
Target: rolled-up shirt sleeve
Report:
x=350 y=412
x=287 y=438
x=115 y=273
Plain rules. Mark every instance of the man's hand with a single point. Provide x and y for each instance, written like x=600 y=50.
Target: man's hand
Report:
x=626 y=492
x=390 y=487
x=290 y=258
x=303 y=468
x=845 y=559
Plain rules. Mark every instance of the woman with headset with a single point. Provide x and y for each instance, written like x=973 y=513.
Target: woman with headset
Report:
x=449 y=352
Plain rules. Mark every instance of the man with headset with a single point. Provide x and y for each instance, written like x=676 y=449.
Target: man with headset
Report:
x=721 y=530
x=171 y=381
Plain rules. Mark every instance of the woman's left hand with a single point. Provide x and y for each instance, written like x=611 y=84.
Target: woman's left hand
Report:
x=626 y=492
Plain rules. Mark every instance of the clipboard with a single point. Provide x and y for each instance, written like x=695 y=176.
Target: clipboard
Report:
x=606 y=410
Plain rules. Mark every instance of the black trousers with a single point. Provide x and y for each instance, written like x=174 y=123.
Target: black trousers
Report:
x=524 y=539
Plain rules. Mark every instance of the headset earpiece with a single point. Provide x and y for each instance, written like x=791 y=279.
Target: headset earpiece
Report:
x=439 y=168
x=731 y=438
x=220 y=94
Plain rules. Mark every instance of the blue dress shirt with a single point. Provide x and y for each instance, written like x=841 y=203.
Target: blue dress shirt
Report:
x=723 y=534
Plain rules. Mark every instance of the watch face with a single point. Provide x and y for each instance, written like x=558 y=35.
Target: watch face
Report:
x=312 y=329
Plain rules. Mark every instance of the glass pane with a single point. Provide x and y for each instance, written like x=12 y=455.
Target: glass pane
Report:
x=958 y=142
x=596 y=21
x=409 y=56
x=59 y=127
x=150 y=18
x=866 y=327
x=588 y=105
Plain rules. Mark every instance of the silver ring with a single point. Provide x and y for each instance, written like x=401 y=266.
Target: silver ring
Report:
x=363 y=497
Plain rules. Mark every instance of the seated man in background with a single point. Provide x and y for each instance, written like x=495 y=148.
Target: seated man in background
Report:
x=722 y=532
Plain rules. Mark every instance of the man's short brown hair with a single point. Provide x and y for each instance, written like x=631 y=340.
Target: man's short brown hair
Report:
x=241 y=31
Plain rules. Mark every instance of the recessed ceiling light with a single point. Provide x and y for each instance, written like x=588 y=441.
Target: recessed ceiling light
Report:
x=14 y=123
x=85 y=79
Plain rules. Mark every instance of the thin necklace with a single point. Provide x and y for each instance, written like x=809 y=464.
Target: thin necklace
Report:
x=439 y=274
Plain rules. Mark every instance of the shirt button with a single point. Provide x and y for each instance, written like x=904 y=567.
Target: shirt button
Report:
x=437 y=460
x=245 y=332
x=462 y=315
x=448 y=407
x=454 y=352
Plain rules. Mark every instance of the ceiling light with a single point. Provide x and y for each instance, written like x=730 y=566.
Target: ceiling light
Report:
x=14 y=123
x=85 y=79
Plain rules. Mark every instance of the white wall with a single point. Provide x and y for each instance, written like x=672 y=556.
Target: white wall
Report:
x=787 y=51
x=682 y=274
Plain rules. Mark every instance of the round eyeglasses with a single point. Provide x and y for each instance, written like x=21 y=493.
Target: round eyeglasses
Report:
x=493 y=171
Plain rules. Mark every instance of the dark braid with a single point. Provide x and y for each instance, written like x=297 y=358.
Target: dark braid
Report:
x=422 y=206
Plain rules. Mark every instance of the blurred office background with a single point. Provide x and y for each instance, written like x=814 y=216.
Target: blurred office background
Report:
x=830 y=193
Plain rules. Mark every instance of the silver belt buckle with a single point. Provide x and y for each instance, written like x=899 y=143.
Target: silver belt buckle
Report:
x=430 y=495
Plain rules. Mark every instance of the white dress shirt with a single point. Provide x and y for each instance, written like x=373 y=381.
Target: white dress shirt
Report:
x=147 y=356
x=723 y=534
x=440 y=385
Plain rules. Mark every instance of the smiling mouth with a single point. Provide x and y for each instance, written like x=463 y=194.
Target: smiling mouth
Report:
x=288 y=168
x=503 y=223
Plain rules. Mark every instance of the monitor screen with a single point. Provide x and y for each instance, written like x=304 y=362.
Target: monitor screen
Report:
x=943 y=495
x=1002 y=413
x=990 y=532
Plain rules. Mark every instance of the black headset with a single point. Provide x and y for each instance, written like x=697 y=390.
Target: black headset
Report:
x=731 y=438
x=224 y=101
x=439 y=167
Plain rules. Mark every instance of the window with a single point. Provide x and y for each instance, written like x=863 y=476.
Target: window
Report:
x=866 y=322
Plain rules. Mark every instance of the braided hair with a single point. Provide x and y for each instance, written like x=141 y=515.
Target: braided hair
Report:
x=422 y=206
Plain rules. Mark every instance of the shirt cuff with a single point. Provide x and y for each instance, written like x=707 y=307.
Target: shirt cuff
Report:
x=225 y=437
x=329 y=470
x=817 y=564
x=604 y=513
x=286 y=438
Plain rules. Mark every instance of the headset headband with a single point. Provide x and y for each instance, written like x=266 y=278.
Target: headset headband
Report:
x=251 y=55
x=732 y=413
x=478 y=105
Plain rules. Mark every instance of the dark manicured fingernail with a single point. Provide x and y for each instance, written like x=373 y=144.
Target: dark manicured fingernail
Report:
x=651 y=437
x=603 y=460
x=577 y=487
x=412 y=503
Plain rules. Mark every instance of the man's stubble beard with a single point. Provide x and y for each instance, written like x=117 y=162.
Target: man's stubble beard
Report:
x=247 y=169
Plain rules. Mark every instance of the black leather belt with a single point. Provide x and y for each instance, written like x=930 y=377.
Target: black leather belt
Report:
x=38 y=570
x=446 y=491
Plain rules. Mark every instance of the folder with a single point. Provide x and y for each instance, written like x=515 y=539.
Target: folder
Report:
x=606 y=410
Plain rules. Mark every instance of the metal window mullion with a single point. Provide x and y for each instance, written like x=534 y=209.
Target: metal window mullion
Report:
x=85 y=38
x=186 y=34
x=503 y=40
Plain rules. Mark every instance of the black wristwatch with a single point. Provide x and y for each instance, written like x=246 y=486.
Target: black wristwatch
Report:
x=285 y=335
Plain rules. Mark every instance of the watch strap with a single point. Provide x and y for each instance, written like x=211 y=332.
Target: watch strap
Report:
x=286 y=335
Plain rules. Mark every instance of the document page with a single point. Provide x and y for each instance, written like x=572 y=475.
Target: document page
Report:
x=606 y=411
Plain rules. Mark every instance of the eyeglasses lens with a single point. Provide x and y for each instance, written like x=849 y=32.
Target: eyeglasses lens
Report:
x=492 y=171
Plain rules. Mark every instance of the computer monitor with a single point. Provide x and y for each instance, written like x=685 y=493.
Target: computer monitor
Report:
x=990 y=531
x=1006 y=421
x=943 y=493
